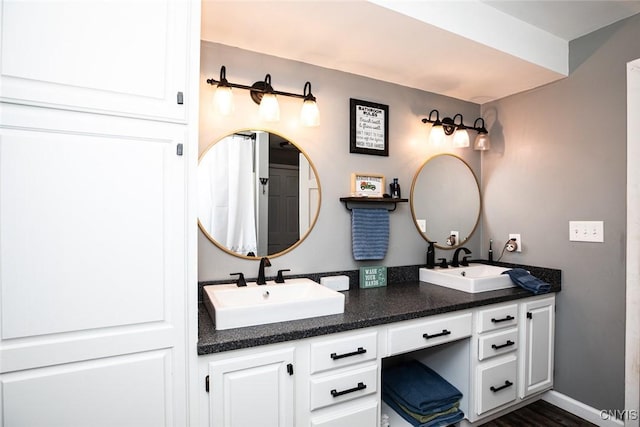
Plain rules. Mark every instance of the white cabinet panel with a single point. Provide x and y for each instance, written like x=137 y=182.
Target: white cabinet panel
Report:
x=346 y=350
x=350 y=416
x=123 y=58
x=413 y=335
x=252 y=390
x=496 y=382
x=85 y=238
x=504 y=316
x=538 y=331
x=92 y=248
x=132 y=390
x=348 y=385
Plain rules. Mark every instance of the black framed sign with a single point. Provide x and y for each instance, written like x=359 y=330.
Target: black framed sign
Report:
x=369 y=128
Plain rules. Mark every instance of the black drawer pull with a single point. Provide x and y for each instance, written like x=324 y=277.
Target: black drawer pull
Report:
x=360 y=350
x=360 y=386
x=504 y=319
x=441 y=334
x=507 y=344
x=507 y=383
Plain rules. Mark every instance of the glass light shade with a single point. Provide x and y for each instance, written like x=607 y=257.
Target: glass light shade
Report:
x=436 y=137
x=309 y=114
x=461 y=138
x=269 y=108
x=482 y=143
x=223 y=100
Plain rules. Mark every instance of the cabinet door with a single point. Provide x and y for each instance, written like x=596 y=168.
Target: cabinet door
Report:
x=124 y=391
x=252 y=390
x=92 y=248
x=124 y=57
x=536 y=369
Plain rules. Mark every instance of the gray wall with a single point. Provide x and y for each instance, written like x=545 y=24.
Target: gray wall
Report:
x=559 y=155
x=328 y=246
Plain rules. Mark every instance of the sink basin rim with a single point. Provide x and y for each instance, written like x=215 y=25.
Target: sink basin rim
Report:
x=471 y=282
x=317 y=301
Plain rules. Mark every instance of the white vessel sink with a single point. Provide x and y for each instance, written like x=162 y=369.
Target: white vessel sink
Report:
x=475 y=278
x=233 y=307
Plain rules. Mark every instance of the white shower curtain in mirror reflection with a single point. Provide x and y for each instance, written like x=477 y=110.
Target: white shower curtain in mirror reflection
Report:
x=227 y=200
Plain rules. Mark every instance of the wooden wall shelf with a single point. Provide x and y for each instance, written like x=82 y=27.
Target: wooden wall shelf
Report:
x=373 y=201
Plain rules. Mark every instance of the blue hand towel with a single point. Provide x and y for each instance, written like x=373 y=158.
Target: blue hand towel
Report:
x=369 y=233
x=525 y=280
x=439 y=421
x=419 y=388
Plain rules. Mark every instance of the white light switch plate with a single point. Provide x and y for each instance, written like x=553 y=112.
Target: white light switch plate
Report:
x=422 y=223
x=586 y=231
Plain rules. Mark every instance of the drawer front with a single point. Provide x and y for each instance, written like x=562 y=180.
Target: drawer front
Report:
x=355 y=383
x=352 y=416
x=496 y=384
x=497 y=343
x=498 y=318
x=344 y=351
x=428 y=333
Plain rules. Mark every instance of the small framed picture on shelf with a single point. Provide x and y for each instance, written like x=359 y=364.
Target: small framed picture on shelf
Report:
x=367 y=185
x=369 y=133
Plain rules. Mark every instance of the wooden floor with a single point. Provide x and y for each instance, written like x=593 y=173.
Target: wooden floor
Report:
x=538 y=414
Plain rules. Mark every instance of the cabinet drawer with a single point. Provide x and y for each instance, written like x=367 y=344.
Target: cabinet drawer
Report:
x=357 y=415
x=497 y=318
x=428 y=333
x=344 y=351
x=329 y=390
x=496 y=383
x=497 y=343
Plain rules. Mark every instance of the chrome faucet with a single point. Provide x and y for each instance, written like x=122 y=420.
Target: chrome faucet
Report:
x=264 y=262
x=455 y=262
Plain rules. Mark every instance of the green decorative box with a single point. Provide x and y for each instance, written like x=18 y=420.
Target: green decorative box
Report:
x=373 y=277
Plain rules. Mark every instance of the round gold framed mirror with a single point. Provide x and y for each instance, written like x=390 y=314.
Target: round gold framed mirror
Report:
x=445 y=198
x=258 y=194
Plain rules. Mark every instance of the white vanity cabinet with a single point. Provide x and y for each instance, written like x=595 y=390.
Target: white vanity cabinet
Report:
x=496 y=355
x=96 y=227
x=121 y=58
x=344 y=380
x=494 y=360
x=537 y=318
x=252 y=388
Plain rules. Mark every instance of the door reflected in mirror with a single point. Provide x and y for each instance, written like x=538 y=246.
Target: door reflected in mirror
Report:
x=445 y=197
x=258 y=194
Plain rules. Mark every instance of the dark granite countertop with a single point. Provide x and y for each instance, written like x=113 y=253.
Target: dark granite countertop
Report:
x=363 y=308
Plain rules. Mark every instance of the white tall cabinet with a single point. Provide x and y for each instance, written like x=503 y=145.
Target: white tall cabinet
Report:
x=98 y=113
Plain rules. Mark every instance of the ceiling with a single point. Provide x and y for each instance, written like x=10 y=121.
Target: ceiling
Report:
x=473 y=50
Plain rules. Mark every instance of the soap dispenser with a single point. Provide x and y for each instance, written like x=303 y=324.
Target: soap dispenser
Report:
x=431 y=256
x=394 y=188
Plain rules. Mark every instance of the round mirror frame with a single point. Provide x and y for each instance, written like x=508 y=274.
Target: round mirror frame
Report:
x=411 y=202
x=312 y=224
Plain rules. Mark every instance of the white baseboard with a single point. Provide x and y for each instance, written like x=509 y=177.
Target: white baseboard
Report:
x=579 y=409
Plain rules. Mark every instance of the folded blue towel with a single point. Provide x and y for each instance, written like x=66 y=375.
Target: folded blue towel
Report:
x=369 y=233
x=439 y=421
x=525 y=280
x=419 y=388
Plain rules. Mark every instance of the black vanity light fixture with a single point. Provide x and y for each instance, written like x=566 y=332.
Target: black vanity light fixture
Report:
x=460 y=132
x=263 y=94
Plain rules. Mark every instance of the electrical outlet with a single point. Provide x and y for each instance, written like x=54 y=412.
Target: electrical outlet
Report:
x=422 y=225
x=586 y=231
x=518 y=242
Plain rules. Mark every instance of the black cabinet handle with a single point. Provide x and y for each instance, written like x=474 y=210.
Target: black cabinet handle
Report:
x=360 y=350
x=504 y=319
x=441 y=334
x=507 y=383
x=360 y=386
x=507 y=344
